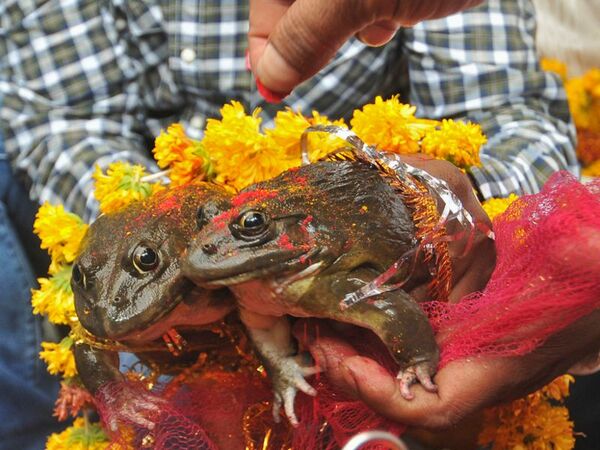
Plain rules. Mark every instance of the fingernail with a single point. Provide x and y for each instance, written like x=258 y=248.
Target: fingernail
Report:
x=247 y=60
x=269 y=95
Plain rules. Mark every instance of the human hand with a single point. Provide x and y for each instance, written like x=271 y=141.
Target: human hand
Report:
x=291 y=40
x=467 y=385
x=464 y=386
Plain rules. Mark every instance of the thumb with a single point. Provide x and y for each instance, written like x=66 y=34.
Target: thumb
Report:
x=308 y=35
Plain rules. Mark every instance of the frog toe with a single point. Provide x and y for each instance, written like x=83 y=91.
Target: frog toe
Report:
x=288 y=381
x=420 y=372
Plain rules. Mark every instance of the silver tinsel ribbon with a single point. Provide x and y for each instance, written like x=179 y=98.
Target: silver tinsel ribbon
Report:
x=450 y=205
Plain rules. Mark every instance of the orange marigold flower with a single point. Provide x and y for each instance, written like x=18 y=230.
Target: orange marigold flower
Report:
x=593 y=170
x=583 y=94
x=72 y=397
x=185 y=157
x=588 y=146
x=531 y=423
x=390 y=125
x=457 y=142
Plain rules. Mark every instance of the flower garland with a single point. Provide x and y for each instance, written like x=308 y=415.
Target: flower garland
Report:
x=235 y=153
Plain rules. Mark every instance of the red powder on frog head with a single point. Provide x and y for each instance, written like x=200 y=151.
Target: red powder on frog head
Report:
x=168 y=204
x=258 y=195
x=285 y=243
x=224 y=218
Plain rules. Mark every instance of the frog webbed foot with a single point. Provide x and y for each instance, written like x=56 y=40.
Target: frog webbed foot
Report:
x=129 y=406
x=419 y=372
x=288 y=378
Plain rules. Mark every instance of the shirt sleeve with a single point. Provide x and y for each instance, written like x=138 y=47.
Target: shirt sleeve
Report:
x=65 y=82
x=481 y=65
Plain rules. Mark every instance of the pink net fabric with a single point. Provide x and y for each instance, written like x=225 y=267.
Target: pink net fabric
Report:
x=547 y=277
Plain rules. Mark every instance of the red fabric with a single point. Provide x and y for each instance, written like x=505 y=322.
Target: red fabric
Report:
x=547 y=275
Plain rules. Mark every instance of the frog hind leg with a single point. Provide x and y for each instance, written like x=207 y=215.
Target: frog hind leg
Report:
x=273 y=341
x=396 y=318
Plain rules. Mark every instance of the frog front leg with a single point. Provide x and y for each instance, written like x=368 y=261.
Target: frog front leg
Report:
x=99 y=368
x=396 y=318
x=274 y=343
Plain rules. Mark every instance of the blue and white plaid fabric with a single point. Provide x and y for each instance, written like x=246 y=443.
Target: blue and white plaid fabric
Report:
x=89 y=82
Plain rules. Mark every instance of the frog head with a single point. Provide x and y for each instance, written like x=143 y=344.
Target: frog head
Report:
x=127 y=276
x=307 y=219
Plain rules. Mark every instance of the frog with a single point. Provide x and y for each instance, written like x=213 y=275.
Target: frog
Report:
x=129 y=289
x=294 y=246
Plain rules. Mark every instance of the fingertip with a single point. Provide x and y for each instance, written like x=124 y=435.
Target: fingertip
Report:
x=269 y=95
x=275 y=75
x=378 y=34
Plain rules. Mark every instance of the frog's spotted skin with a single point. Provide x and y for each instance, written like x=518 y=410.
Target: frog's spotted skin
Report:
x=295 y=245
x=128 y=285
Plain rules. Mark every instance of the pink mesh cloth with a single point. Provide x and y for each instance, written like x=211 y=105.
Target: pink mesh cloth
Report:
x=547 y=277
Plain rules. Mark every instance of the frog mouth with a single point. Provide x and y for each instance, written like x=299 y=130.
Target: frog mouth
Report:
x=263 y=265
x=153 y=326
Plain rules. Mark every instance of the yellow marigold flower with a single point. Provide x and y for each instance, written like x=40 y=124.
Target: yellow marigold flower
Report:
x=554 y=65
x=241 y=154
x=579 y=102
x=59 y=357
x=532 y=422
x=559 y=388
x=82 y=435
x=457 y=142
x=390 y=125
x=290 y=125
x=60 y=232
x=593 y=170
x=54 y=298
x=583 y=94
x=121 y=185
x=495 y=206
x=185 y=157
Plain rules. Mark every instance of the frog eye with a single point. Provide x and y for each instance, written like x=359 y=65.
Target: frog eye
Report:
x=145 y=259
x=78 y=276
x=252 y=223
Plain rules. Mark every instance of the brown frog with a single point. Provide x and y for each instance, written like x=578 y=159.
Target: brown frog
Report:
x=129 y=288
x=295 y=246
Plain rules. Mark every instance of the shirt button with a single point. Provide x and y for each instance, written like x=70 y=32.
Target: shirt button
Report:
x=197 y=122
x=188 y=55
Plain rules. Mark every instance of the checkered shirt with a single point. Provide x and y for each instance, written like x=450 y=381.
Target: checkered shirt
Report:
x=93 y=82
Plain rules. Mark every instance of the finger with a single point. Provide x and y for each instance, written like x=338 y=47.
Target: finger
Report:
x=264 y=16
x=410 y=12
x=464 y=387
x=378 y=34
x=307 y=36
